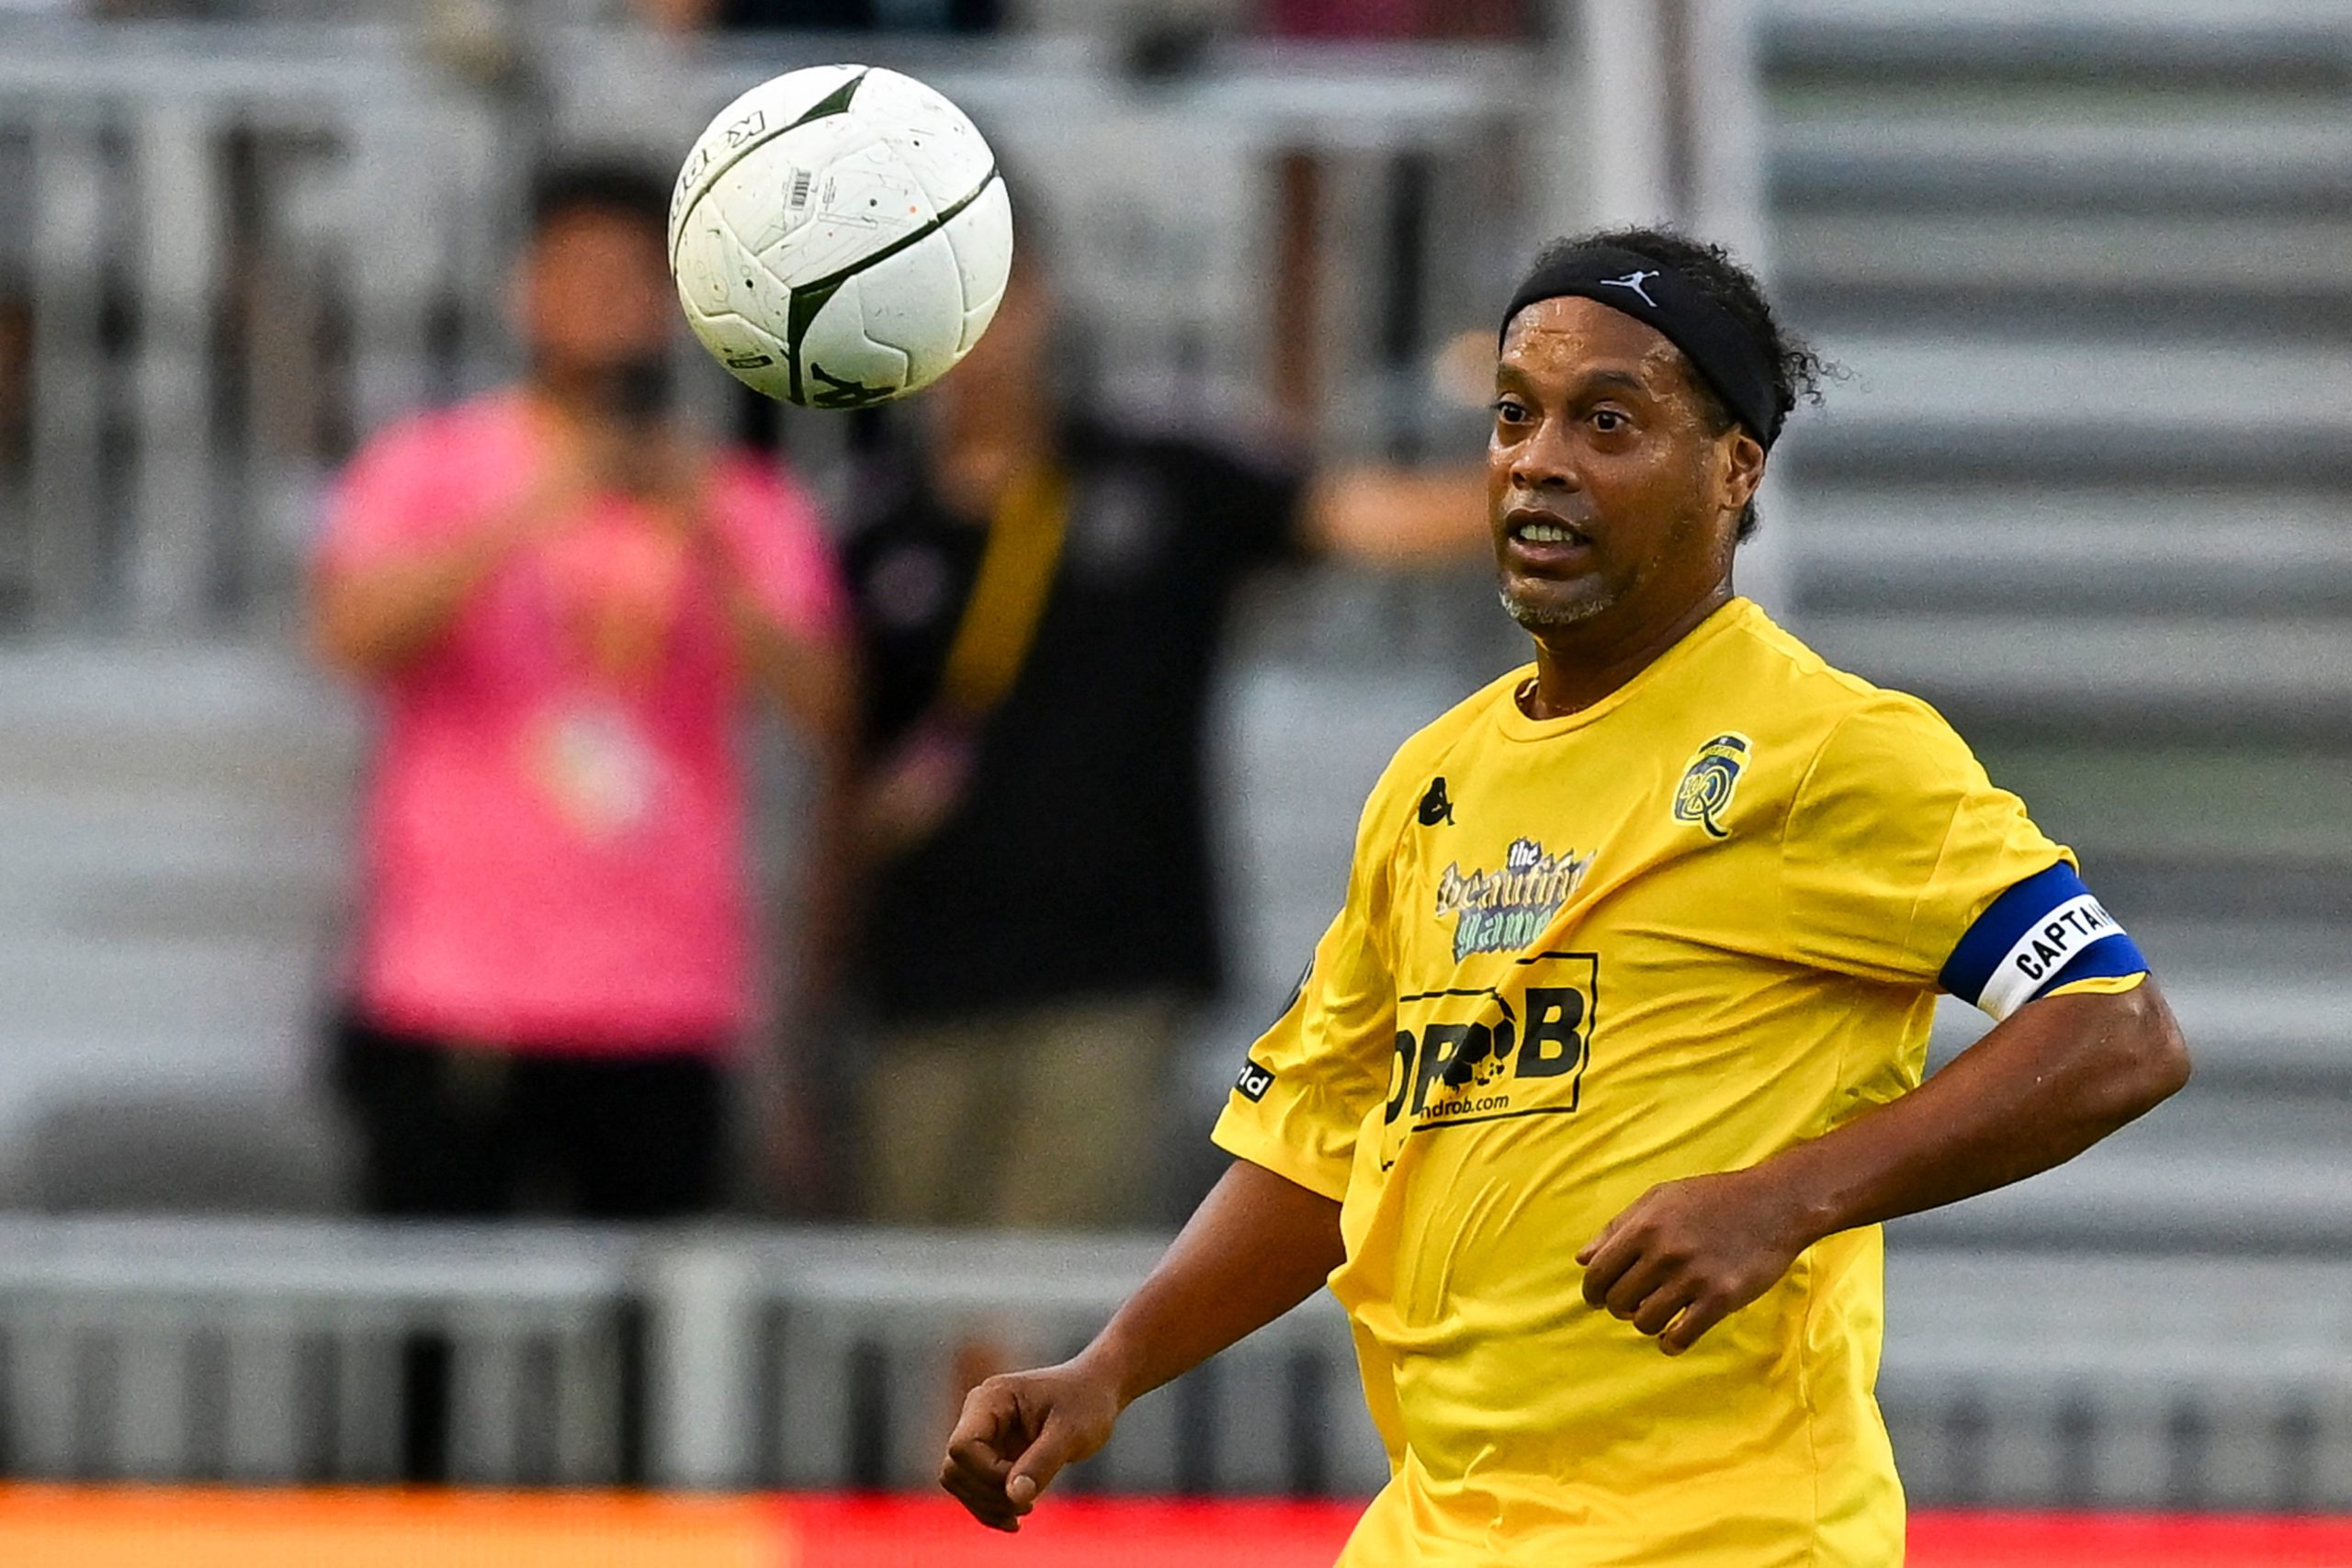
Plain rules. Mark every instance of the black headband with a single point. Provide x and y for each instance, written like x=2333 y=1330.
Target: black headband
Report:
x=1726 y=354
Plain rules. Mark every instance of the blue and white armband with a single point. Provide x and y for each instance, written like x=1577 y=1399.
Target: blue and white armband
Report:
x=2045 y=932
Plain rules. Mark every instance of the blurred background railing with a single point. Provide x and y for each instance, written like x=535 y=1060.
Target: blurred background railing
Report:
x=2087 y=485
x=811 y=1360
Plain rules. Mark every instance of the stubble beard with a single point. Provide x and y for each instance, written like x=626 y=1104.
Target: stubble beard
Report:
x=1536 y=615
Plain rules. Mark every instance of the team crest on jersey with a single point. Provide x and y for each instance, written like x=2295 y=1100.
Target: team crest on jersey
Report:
x=1706 y=792
x=1506 y=910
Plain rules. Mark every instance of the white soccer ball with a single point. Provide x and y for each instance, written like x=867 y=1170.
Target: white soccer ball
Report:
x=840 y=236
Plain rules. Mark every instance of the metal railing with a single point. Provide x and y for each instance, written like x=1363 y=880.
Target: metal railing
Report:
x=288 y=1352
x=736 y=1358
x=811 y=1362
x=233 y=251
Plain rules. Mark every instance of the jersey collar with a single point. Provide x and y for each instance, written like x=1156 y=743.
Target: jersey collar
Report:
x=1517 y=726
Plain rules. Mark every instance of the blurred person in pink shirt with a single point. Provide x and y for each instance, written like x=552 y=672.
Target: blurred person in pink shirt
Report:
x=560 y=602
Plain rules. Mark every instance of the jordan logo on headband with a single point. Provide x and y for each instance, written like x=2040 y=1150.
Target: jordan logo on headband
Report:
x=1732 y=357
x=1634 y=281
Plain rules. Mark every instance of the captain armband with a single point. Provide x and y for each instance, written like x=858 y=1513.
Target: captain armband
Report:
x=2045 y=932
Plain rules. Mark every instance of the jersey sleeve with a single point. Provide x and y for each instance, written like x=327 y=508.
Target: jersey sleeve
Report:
x=1904 y=864
x=1310 y=1081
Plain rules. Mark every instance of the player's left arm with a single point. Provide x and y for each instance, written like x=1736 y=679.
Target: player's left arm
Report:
x=2055 y=1078
x=1902 y=864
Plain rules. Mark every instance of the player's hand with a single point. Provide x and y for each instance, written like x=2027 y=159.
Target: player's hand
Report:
x=1686 y=1254
x=1017 y=1432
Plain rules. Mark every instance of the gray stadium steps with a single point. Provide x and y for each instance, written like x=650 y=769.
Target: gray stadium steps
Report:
x=2144 y=1194
x=2241 y=153
x=2051 y=408
x=2099 y=263
x=2059 y=550
x=2086 y=266
x=1952 y=1312
x=2107 y=675
x=2268 y=43
x=2249 y=1024
x=2087 y=486
x=2011 y=1376
x=175 y=822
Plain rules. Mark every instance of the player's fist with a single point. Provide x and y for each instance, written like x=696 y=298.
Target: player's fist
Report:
x=1686 y=1254
x=1016 y=1433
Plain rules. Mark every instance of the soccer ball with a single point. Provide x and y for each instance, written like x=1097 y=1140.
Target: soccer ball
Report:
x=840 y=236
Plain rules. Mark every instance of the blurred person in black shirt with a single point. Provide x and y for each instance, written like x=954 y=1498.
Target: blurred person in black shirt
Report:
x=1397 y=18
x=826 y=15
x=1040 y=598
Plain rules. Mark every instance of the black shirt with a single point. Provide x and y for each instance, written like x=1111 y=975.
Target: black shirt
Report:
x=1077 y=862
x=926 y=16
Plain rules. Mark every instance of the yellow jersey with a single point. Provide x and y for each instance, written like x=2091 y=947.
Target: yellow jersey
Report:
x=1700 y=922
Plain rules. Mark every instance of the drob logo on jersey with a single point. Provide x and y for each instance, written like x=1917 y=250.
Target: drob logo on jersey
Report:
x=1706 y=792
x=1493 y=1054
x=1507 y=910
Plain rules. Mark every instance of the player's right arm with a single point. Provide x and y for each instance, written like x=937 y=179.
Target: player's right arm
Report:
x=1262 y=1241
x=1257 y=1245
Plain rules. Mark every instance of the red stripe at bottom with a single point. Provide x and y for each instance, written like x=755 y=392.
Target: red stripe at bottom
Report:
x=1089 y=1532
x=2119 y=1540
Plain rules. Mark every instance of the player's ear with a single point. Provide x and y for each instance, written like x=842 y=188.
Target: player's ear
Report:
x=1743 y=468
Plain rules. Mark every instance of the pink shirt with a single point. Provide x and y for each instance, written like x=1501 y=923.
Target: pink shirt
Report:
x=553 y=830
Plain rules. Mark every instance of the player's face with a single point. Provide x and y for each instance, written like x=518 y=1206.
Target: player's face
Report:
x=1612 y=496
x=596 y=293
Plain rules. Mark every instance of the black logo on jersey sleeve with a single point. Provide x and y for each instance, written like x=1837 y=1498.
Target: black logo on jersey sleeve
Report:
x=1254 y=1081
x=1435 y=807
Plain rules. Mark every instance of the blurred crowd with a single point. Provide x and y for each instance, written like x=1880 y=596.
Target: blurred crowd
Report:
x=1284 y=18
x=563 y=604
x=563 y=601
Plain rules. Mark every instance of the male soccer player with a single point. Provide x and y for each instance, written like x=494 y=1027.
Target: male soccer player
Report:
x=1598 y=1088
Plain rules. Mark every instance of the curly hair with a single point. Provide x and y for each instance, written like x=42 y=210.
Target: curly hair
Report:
x=1797 y=370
